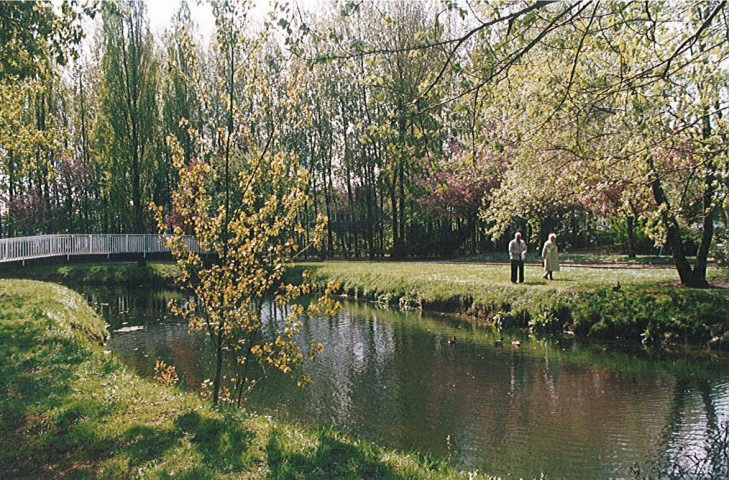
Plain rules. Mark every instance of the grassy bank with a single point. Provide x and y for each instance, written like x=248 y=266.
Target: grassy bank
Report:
x=648 y=307
x=68 y=409
x=113 y=273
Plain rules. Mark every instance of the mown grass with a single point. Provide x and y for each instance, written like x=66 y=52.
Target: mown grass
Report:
x=68 y=409
x=649 y=306
x=594 y=257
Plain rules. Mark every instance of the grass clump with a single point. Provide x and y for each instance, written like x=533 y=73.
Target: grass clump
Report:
x=69 y=409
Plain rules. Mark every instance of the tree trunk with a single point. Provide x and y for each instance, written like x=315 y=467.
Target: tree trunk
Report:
x=707 y=231
x=401 y=191
x=351 y=230
x=630 y=219
x=11 y=191
x=369 y=222
x=218 y=364
x=327 y=202
x=688 y=276
x=393 y=201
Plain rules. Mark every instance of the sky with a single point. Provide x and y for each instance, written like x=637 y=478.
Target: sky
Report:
x=161 y=11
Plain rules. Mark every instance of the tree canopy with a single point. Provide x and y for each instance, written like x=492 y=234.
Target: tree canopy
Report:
x=426 y=128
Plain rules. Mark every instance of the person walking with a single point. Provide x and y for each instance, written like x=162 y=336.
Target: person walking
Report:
x=550 y=255
x=517 y=254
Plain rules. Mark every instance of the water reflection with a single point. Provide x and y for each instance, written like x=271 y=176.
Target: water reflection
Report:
x=562 y=408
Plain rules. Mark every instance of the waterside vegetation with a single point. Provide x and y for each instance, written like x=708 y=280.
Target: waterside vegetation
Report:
x=69 y=409
x=121 y=273
x=650 y=306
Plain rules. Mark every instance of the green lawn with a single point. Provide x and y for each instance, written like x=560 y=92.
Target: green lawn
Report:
x=600 y=257
x=481 y=281
x=474 y=276
x=69 y=409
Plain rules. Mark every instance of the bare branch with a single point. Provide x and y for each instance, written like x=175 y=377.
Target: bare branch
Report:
x=536 y=6
x=691 y=41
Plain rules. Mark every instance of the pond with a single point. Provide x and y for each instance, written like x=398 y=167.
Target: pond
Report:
x=560 y=407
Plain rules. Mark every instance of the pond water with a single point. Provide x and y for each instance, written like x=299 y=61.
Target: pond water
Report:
x=561 y=408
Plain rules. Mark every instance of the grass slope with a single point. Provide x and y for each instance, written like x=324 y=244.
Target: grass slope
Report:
x=68 y=409
x=112 y=273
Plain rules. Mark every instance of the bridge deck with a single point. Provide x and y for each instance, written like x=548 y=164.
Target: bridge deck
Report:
x=43 y=246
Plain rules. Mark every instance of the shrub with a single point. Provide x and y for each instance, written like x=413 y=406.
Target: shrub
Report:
x=508 y=318
x=545 y=322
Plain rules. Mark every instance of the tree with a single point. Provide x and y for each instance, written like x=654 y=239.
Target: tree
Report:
x=668 y=125
x=129 y=111
x=455 y=186
x=32 y=145
x=244 y=205
x=182 y=109
x=34 y=36
x=253 y=246
x=638 y=104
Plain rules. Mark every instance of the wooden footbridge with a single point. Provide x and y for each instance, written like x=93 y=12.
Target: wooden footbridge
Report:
x=20 y=249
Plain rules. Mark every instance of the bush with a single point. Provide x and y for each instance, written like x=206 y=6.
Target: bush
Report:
x=511 y=319
x=545 y=322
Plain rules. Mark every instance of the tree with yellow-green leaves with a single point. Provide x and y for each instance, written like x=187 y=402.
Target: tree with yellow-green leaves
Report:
x=621 y=111
x=244 y=255
x=36 y=37
x=243 y=201
x=129 y=115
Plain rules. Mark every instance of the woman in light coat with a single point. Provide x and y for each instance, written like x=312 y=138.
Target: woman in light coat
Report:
x=550 y=255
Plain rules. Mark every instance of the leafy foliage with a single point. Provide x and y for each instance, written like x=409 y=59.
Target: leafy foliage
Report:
x=251 y=247
x=34 y=36
x=426 y=129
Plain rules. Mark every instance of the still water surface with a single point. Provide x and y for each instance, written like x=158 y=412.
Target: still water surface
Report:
x=558 y=407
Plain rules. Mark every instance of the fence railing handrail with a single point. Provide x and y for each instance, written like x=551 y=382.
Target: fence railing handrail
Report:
x=58 y=245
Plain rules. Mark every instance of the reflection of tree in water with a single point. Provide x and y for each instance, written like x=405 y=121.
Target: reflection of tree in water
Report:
x=683 y=457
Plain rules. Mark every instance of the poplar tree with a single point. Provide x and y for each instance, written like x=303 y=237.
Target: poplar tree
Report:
x=129 y=122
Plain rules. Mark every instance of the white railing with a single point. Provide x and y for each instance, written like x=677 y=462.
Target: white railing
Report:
x=42 y=246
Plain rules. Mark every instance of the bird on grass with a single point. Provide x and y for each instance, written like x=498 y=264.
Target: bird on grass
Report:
x=499 y=342
x=516 y=343
x=616 y=287
x=452 y=341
